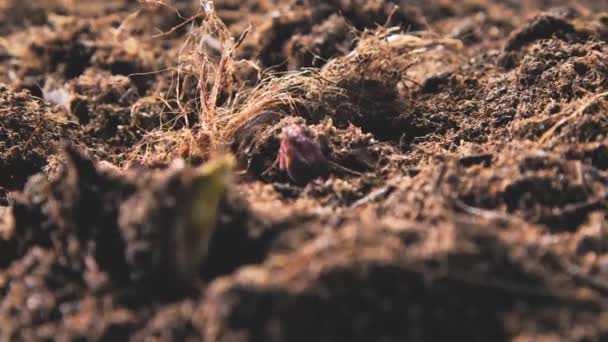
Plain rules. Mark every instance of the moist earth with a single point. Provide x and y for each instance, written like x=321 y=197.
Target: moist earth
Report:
x=465 y=195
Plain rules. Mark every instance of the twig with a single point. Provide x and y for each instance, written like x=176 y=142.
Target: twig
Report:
x=373 y=196
x=484 y=213
x=570 y=117
x=345 y=169
x=594 y=282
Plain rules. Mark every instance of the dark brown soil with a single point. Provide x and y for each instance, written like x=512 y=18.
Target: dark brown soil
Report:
x=466 y=196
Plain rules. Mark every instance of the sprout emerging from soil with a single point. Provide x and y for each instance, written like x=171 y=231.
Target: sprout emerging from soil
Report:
x=300 y=155
x=208 y=189
x=170 y=222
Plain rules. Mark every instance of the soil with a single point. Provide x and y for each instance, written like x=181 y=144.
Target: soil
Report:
x=465 y=198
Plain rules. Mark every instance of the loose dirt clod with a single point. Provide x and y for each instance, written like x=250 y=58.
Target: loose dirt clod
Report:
x=30 y=133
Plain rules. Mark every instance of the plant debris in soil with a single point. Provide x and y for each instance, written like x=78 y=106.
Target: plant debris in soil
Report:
x=268 y=170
